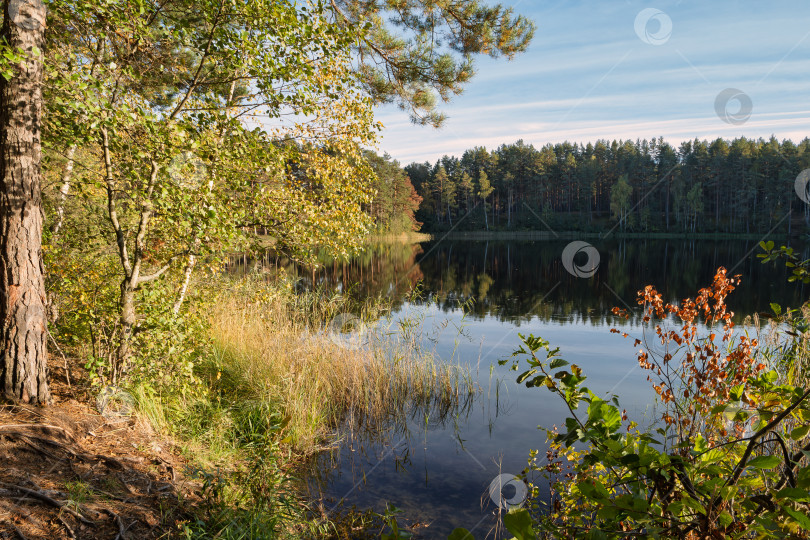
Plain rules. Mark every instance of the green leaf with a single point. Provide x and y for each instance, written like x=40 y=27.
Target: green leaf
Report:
x=525 y=375
x=800 y=517
x=693 y=504
x=519 y=523
x=557 y=362
x=765 y=462
x=794 y=494
x=460 y=534
x=799 y=433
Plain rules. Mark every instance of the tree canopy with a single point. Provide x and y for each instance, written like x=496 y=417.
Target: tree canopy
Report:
x=737 y=186
x=175 y=131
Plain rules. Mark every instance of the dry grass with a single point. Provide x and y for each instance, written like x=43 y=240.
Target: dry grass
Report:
x=275 y=346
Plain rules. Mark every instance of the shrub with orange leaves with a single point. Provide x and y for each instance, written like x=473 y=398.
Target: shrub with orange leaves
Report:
x=729 y=457
x=691 y=372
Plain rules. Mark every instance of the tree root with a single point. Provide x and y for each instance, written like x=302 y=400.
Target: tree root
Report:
x=62 y=505
x=64 y=523
x=120 y=522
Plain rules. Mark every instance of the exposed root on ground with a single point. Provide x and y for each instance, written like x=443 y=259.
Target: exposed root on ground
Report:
x=67 y=472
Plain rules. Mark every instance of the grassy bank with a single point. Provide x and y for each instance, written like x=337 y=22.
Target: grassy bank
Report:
x=321 y=365
x=284 y=374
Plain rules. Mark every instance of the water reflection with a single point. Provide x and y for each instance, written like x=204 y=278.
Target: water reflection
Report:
x=518 y=281
x=439 y=469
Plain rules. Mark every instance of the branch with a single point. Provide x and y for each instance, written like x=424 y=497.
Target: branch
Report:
x=735 y=475
x=146 y=213
x=153 y=276
x=53 y=502
x=787 y=475
x=111 y=210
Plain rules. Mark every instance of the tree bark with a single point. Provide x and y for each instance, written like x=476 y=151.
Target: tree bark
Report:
x=64 y=190
x=23 y=331
x=190 y=263
x=128 y=320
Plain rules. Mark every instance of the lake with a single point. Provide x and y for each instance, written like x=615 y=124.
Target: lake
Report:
x=475 y=298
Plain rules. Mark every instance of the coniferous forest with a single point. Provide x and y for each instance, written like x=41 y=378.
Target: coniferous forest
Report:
x=738 y=186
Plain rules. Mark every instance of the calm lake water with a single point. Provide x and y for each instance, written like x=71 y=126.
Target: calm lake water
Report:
x=476 y=298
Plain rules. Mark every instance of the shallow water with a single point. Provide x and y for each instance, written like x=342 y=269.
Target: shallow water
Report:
x=476 y=298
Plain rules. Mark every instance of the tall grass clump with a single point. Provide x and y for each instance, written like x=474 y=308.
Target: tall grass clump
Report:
x=274 y=384
x=282 y=348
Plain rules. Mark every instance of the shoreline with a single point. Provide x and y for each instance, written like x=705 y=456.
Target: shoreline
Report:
x=576 y=235
x=400 y=238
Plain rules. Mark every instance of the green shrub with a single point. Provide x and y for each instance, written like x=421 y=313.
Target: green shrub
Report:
x=729 y=455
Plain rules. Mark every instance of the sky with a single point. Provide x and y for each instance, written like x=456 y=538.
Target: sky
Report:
x=615 y=69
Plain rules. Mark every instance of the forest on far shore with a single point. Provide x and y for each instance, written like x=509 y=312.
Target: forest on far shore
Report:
x=737 y=186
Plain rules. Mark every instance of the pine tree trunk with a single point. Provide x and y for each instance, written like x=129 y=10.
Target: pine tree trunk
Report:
x=509 y=210
x=23 y=331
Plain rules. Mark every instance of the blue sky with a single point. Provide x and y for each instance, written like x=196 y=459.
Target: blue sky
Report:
x=589 y=75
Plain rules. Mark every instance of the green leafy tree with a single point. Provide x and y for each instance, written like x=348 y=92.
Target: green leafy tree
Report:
x=170 y=91
x=694 y=205
x=440 y=180
x=465 y=184
x=485 y=189
x=620 y=197
x=395 y=200
x=449 y=195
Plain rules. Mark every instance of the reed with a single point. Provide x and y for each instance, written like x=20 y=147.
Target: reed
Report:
x=286 y=350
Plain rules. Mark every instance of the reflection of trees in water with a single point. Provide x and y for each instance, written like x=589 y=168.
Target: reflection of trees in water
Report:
x=389 y=271
x=516 y=281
